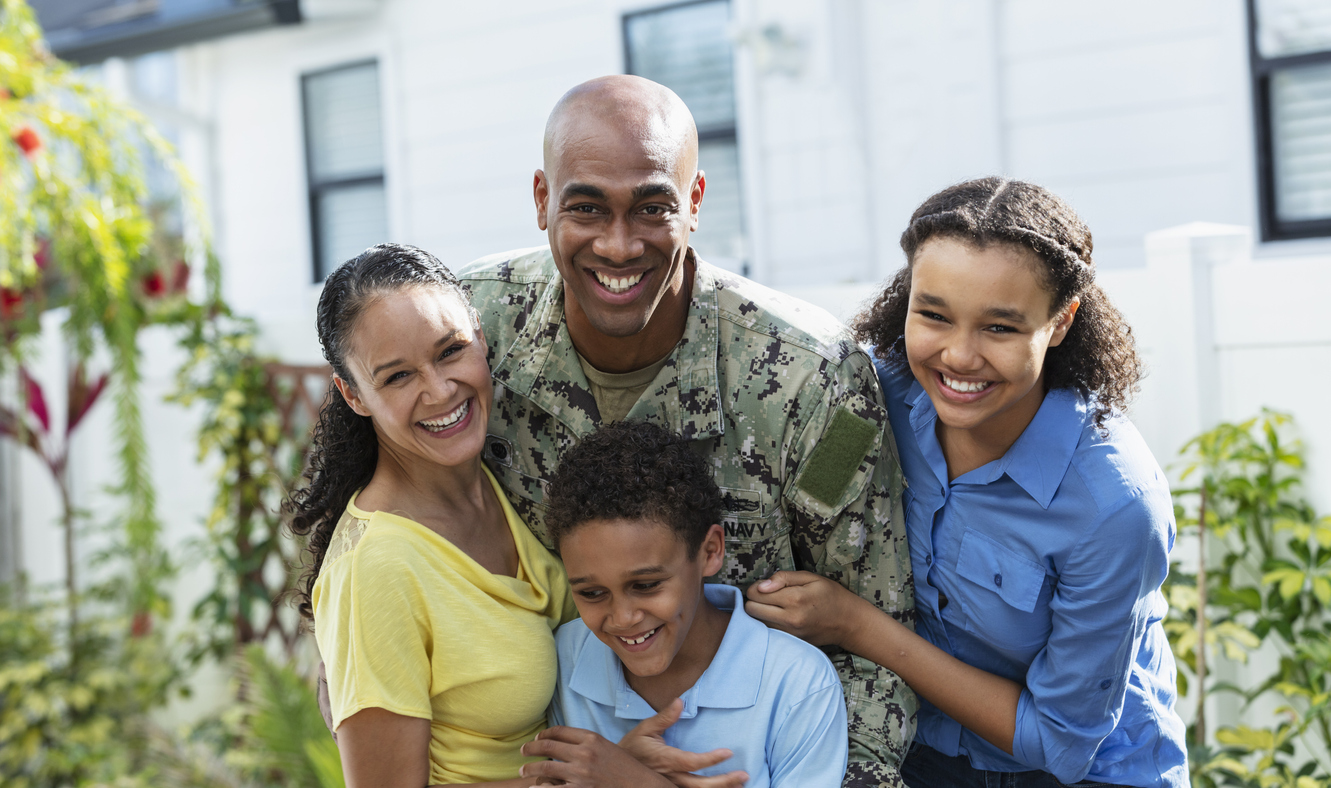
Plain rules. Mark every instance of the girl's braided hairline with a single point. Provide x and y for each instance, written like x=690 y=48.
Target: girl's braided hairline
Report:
x=1097 y=357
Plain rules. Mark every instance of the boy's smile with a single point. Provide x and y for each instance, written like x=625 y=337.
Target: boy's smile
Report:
x=640 y=592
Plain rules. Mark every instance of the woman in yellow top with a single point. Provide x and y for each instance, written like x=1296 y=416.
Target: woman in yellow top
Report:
x=434 y=606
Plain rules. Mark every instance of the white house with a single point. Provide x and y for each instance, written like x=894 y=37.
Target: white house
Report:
x=318 y=127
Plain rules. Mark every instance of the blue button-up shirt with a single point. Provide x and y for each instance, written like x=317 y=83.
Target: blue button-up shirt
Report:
x=1044 y=567
x=772 y=699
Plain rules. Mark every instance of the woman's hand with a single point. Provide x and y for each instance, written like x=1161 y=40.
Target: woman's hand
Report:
x=646 y=743
x=806 y=605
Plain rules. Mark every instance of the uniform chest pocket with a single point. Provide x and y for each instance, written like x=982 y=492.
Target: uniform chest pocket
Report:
x=1002 y=593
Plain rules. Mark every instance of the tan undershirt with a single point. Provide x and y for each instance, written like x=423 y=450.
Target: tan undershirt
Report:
x=616 y=393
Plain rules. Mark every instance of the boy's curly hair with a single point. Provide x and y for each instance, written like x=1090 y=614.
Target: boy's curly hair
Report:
x=634 y=470
x=1098 y=357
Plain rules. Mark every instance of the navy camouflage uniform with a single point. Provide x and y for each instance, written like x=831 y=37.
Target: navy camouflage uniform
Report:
x=784 y=405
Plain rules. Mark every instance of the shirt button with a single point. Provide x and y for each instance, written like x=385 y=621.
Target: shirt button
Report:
x=928 y=560
x=1105 y=684
x=998 y=580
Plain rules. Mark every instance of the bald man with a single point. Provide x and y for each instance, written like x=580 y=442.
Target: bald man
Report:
x=618 y=318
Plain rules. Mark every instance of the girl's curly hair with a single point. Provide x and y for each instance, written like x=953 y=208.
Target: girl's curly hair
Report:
x=1098 y=357
x=634 y=470
x=344 y=449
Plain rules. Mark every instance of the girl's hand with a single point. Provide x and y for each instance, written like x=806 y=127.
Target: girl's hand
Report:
x=806 y=605
x=646 y=743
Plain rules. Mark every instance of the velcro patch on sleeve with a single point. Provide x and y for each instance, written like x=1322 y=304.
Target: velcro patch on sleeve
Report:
x=832 y=464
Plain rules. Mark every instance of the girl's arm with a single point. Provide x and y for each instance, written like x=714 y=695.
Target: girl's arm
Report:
x=824 y=612
x=381 y=749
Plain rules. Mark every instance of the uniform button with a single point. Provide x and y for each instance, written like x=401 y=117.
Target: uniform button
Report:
x=998 y=580
x=1105 y=684
x=928 y=560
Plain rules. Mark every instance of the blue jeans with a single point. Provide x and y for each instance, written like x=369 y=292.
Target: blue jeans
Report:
x=926 y=767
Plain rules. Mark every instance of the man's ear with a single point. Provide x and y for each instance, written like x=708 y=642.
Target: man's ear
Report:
x=712 y=552
x=540 y=188
x=1064 y=323
x=695 y=199
x=348 y=393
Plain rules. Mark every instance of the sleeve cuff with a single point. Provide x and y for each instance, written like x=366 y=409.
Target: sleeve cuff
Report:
x=1026 y=744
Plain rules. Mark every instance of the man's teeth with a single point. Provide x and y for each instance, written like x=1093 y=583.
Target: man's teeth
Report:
x=449 y=420
x=617 y=284
x=963 y=386
x=639 y=639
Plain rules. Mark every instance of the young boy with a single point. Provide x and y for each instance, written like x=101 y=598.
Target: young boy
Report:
x=634 y=514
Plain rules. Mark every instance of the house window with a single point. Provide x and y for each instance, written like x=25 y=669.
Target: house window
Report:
x=687 y=48
x=1291 y=67
x=344 y=156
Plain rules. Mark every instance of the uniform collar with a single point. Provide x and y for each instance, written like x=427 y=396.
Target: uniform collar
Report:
x=1039 y=459
x=542 y=365
x=732 y=680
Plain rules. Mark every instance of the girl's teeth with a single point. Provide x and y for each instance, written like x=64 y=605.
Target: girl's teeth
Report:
x=448 y=421
x=640 y=639
x=965 y=387
x=617 y=284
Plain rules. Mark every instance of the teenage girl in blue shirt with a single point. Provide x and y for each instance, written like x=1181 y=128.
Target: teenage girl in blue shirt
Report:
x=1039 y=523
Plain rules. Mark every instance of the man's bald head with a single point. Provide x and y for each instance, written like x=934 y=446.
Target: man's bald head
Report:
x=631 y=108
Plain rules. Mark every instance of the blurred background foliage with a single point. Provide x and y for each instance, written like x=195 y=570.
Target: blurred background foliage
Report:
x=1263 y=581
x=84 y=674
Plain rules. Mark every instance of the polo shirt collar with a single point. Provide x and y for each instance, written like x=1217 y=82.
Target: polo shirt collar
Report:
x=1039 y=459
x=542 y=365
x=732 y=681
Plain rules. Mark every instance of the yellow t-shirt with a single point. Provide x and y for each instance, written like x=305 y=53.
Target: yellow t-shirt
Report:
x=409 y=623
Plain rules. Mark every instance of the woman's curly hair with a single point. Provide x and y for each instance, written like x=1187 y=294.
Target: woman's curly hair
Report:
x=634 y=470
x=344 y=449
x=1098 y=357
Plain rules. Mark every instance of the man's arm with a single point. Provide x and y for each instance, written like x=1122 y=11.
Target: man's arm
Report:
x=844 y=504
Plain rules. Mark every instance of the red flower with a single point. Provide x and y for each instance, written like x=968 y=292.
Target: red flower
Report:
x=142 y=625
x=180 y=277
x=28 y=140
x=11 y=304
x=42 y=257
x=154 y=284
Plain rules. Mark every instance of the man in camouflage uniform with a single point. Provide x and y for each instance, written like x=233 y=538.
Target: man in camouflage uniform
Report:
x=618 y=318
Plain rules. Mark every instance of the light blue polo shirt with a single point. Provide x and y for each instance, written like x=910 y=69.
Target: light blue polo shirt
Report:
x=771 y=698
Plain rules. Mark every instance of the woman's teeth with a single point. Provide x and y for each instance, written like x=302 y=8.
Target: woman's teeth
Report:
x=963 y=386
x=449 y=420
x=617 y=284
x=639 y=639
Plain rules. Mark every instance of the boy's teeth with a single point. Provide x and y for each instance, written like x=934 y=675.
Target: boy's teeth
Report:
x=618 y=284
x=449 y=420
x=639 y=639
x=965 y=387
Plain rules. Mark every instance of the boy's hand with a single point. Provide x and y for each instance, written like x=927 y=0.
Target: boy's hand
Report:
x=806 y=605
x=583 y=759
x=646 y=743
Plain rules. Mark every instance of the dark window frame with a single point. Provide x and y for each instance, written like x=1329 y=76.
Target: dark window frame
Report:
x=316 y=187
x=1273 y=228
x=728 y=133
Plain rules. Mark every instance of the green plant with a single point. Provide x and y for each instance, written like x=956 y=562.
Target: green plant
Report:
x=1272 y=585
x=262 y=449
x=73 y=704
x=77 y=230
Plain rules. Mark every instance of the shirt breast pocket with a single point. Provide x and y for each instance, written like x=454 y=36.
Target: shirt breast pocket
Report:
x=1005 y=596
